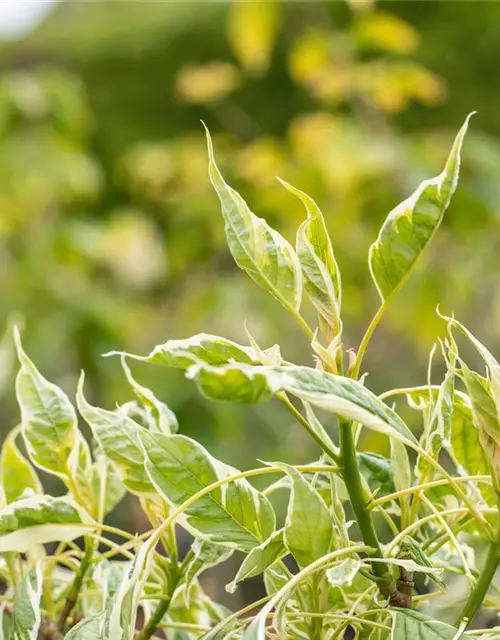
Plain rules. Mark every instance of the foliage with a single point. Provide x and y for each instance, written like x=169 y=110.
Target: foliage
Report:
x=324 y=576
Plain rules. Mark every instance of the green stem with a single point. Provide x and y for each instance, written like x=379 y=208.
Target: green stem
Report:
x=72 y=597
x=478 y=594
x=161 y=609
x=352 y=478
x=366 y=340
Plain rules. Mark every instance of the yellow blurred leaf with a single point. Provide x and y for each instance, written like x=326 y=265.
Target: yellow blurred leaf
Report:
x=386 y=31
x=207 y=83
x=252 y=29
x=309 y=57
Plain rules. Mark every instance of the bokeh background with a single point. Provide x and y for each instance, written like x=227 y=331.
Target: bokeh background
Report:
x=111 y=236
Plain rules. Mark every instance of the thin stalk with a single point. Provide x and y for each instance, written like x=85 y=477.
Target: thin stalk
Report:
x=352 y=479
x=74 y=592
x=282 y=397
x=366 y=340
x=477 y=595
x=161 y=609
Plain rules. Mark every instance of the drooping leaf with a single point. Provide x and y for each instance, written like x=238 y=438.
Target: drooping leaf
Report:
x=377 y=471
x=164 y=418
x=40 y=519
x=412 y=624
x=117 y=435
x=234 y=515
x=411 y=225
x=26 y=615
x=309 y=532
x=260 y=558
x=205 y=555
x=343 y=573
x=257 y=248
x=344 y=397
x=409 y=548
x=16 y=473
x=317 y=261
x=49 y=425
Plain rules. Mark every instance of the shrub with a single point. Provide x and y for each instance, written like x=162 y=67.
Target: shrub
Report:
x=324 y=576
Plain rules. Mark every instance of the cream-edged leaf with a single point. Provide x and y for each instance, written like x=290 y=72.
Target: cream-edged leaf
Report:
x=48 y=419
x=257 y=248
x=234 y=515
x=40 y=519
x=117 y=435
x=317 y=261
x=409 y=227
x=26 y=615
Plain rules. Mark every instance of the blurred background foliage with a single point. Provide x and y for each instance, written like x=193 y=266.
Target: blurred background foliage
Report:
x=111 y=236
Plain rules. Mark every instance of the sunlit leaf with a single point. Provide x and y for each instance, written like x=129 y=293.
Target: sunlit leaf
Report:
x=16 y=472
x=39 y=519
x=260 y=558
x=49 y=424
x=412 y=624
x=257 y=248
x=207 y=83
x=26 y=615
x=411 y=225
x=317 y=261
x=234 y=515
x=117 y=435
x=91 y=628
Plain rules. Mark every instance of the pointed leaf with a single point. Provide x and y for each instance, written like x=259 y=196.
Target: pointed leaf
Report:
x=257 y=248
x=16 y=473
x=205 y=556
x=411 y=624
x=309 y=532
x=234 y=515
x=163 y=417
x=260 y=558
x=26 y=608
x=40 y=519
x=48 y=418
x=410 y=226
x=117 y=435
x=319 y=268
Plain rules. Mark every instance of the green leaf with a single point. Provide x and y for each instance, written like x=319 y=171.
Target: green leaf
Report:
x=181 y=354
x=164 y=418
x=409 y=548
x=260 y=559
x=317 y=261
x=343 y=573
x=411 y=225
x=49 y=425
x=257 y=248
x=91 y=628
x=16 y=473
x=205 y=556
x=411 y=624
x=40 y=519
x=118 y=436
x=235 y=515
x=309 y=532
x=26 y=608
x=377 y=471
x=344 y=397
